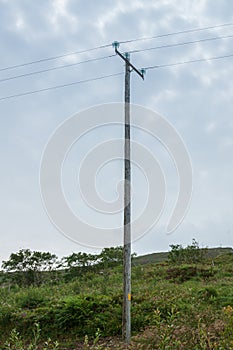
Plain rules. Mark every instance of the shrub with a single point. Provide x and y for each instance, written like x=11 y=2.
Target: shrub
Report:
x=187 y=272
x=192 y=254
x=84 y=314
x=7 y=317
x=30 y=299
x=181 y=274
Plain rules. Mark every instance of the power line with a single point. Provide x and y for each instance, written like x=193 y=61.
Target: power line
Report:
x=60 y=86
x=113 y=75
x=110 y=56
x=177 y=33
x=109 y=45
x=186 y=62
x=55 y=68
x=182 y=43
x=54 y=57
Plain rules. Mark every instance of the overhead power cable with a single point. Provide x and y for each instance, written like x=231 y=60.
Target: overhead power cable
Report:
x=55 y=68
x=177 y=33
x=113 y=75
x=55 y=57
x=186 y=62
x=182 y=43
x=109 y=56
x=60 y=86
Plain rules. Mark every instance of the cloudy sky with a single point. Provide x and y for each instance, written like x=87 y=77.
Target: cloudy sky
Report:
x=195 y=98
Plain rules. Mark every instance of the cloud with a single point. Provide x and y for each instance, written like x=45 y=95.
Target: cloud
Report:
x=195 y=98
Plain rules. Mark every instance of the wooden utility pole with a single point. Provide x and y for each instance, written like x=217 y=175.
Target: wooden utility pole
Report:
x=126 y=317
x=127 y=212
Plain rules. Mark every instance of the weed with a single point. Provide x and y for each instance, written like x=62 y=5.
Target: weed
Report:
x=15 y=341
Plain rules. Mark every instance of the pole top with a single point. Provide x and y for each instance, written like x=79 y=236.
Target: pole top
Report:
x=116 y=44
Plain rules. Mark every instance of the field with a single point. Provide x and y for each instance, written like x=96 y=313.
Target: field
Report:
x=175 y=305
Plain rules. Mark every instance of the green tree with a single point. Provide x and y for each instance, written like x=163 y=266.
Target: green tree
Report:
x=77 y=263
x=176 y=253
x=111 y=256
x=29 y=267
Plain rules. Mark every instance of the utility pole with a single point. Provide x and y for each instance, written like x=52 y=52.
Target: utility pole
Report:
x=126 y=317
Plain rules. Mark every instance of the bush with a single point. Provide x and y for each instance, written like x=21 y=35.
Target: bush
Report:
x=181 y=274
x=192 y=254
x=30 y=299
x=7 y=318
x=187 y=272
x=84 y=314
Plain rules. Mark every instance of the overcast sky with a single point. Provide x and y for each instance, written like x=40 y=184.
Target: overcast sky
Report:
x=195 y=98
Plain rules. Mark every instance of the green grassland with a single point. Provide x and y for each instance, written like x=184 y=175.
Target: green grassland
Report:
x=174 y=306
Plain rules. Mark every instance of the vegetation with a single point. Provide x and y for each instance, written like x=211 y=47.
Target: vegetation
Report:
x=28 y=266
x=185 y=302
x=191 y=254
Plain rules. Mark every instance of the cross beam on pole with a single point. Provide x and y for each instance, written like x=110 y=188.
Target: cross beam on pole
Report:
x=126 y=315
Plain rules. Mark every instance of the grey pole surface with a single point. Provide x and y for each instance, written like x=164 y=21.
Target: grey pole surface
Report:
x=126 y=317
x=127 y=211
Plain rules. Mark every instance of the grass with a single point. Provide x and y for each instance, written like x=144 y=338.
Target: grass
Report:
x=173 y=307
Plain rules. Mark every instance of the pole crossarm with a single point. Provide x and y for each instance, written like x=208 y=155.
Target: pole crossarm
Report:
x=140 y=72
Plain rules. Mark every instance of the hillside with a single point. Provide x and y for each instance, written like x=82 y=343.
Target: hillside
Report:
x=174 y=306
x=162 y=256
